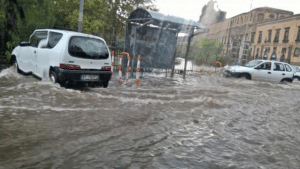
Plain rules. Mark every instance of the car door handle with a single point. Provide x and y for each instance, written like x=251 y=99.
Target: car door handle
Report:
x=283 y=73
x=34 y=51
x=269 y=72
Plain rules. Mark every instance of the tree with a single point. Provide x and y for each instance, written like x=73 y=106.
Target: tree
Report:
x=207 y=51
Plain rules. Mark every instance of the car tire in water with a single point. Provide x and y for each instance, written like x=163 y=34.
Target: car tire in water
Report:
x=286 y=81
x=15 y=64
x=105 y=84
x=53 y=77
x=246 y=76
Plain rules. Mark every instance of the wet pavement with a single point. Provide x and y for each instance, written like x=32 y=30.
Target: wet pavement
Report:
x=202 y=122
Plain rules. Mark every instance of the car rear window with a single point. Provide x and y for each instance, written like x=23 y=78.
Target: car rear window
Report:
x=88 y=48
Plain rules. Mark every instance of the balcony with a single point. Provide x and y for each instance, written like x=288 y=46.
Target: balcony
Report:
x=267 y=41
x=285 y=41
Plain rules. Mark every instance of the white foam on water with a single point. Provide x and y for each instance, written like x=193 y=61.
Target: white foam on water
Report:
x=11 y=71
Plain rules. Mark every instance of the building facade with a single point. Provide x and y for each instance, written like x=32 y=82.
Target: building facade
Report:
x=263 y=33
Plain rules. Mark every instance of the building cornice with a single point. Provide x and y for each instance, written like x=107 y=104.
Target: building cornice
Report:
x=279 y=20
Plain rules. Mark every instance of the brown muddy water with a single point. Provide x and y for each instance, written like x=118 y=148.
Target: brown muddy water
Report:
x=203 y=122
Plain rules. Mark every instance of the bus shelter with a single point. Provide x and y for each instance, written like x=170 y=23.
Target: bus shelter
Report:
x=153 y=35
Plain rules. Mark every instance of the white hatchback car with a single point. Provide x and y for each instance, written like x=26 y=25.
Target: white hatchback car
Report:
x=64 y=56
x=264 y=70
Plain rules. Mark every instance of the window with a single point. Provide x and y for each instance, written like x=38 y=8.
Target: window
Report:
x=298 y=36
x=288 y=68
x=297 y=69
x=260 y=17
x=272 y=16
x=269 y=35
x=54 y=38
x=265 y=66
x=297 y=52
x=276 y=39
x=89 y=48
x=278 y=67
x=259 y=37
x=37 y=37
x=246 y=37
x=242 y=20
x=267 y=49
x=252 y=37
x=286 y=35
x=241 y=37
x=283 y=50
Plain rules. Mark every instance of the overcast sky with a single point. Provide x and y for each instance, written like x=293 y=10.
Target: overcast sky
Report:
x=191 y=9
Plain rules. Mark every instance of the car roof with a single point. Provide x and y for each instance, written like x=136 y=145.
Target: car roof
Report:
x=71 y=33
x=270 y=61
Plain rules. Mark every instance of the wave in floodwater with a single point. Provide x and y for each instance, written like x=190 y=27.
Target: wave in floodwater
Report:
x=201 y=122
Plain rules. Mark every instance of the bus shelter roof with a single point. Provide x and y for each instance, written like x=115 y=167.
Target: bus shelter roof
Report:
x=158 y=19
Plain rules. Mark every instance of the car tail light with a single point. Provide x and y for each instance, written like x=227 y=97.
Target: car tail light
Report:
x=107 y=68
x=69 y=67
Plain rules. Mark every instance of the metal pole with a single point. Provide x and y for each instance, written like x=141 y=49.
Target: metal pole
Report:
x=80 y=16
x=174 y=55
x=187 y=51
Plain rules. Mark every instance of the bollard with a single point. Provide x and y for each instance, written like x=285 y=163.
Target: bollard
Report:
x=112 y=62
x=128 y=57
x=120 y=68
x=137 y=82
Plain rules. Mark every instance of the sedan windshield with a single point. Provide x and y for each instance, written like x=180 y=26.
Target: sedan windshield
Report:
x=88 y=48
x=252 y=63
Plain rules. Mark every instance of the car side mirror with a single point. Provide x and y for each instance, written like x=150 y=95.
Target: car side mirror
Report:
x=43 y=43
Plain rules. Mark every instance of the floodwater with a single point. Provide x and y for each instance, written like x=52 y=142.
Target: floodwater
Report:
x=203 y=122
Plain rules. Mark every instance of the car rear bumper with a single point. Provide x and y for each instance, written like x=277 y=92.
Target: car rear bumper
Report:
x=76 y=75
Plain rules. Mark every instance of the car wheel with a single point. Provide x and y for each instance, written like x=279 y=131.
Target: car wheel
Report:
x=286 y=81
x=246 y=76
x=53 y=77
x=105 y=84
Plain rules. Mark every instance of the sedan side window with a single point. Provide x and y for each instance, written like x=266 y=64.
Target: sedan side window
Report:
x=278 y=67
x=297 y=69
x=37 y=37
x=265 y=66
x=288 y=68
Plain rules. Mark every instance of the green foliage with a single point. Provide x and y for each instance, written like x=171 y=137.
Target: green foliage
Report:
x=207 y=51
x=105 y=18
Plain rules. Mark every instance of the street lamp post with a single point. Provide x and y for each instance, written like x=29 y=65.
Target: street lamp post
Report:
x=80 y=16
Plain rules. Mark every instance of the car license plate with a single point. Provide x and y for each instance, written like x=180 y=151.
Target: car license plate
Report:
x=89 y=77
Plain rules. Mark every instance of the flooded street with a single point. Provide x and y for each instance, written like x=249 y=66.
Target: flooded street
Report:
x=202 y=122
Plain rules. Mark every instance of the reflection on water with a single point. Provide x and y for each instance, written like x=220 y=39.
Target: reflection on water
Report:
x=201 y=122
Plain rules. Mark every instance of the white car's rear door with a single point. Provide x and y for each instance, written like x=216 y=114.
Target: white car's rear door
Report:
x=262 y=72
x=278 y=72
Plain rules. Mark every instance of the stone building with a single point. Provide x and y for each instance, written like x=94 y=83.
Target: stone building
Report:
x=258 y=34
